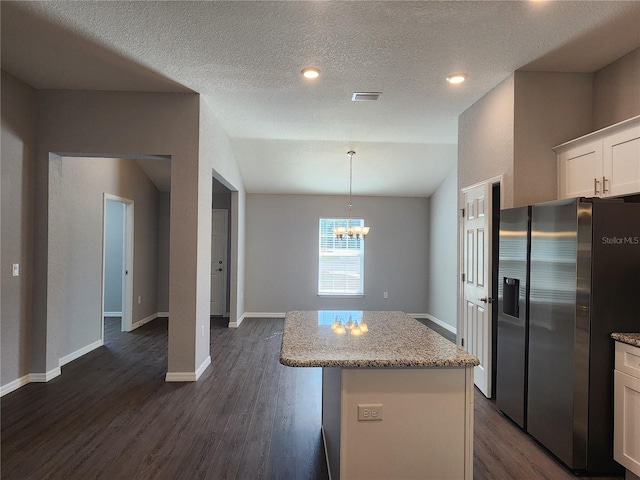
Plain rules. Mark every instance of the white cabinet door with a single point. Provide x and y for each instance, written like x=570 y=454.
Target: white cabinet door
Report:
x=621 y=162
x=605 y=163
x=581 y=171
x=626 y=439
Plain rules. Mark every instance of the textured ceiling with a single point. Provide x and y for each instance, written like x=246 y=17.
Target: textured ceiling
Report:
x=291 y=135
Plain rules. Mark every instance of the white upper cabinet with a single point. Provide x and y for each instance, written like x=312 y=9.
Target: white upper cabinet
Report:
x=602 y=164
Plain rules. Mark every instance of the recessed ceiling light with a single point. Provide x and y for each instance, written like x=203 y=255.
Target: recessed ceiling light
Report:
x=310 y=72
x=457 y=78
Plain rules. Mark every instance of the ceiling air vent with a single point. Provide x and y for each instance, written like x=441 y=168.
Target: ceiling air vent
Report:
x=365 y=96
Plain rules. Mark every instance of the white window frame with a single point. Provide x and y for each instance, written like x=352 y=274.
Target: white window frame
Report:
x=351 y=244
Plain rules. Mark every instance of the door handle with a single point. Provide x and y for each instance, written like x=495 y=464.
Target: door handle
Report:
x=604 y=185
x=596 y=182
x=486 y=300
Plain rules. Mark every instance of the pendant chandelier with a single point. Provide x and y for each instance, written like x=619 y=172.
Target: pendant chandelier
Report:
x=351 y=231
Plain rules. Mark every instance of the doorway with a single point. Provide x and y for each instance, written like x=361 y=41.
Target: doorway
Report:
x=117 y=261
x=219 y=235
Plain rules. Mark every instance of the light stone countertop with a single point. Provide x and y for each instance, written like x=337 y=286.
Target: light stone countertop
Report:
x=629 y=338
x=393 y=339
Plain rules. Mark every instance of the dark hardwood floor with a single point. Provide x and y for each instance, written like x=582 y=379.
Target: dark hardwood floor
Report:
x=111 y=415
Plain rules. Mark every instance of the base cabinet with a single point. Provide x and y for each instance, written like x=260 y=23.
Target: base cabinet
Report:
x=422 y=427
x=626 y=441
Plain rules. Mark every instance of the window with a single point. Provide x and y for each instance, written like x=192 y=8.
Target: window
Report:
x=340 y=262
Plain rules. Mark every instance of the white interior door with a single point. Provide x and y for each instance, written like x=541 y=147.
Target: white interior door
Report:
x=219 y=234
x=477 y=281
x=126 y=260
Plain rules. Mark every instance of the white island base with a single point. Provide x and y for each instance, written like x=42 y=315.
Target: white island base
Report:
x=426 y=430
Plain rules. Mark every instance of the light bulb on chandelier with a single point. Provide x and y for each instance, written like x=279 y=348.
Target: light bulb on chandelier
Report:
x=351 y=230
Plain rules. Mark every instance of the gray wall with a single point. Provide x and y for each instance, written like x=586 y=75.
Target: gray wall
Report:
x=512 y=129
x=550 y=108
x=282 y=252
x=16 y=170
x=215 y=143
x=486 y=139
x=164 y=225
x=113 y=257
x=83 y=183
x=616 y=91
x=443 y=256
x=125 y=124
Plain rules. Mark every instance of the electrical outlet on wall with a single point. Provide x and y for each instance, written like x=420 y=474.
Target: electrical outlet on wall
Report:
x=139 y=299
x=385 y=295
x=371 y=412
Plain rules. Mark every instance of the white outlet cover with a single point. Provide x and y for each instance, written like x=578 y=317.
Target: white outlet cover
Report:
x=370 y=412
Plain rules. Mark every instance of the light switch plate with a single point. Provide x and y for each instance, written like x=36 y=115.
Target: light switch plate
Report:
x=16 y=270
x=370 y=412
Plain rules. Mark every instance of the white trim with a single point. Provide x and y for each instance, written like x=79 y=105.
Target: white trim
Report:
x=145 y=320
x=45 y=377
x=163 y=314
x=80 y=352
x=188 y=376
x=203 y=367
x=112 y=314
x=180 y=377
x=439 y=322
x=16 y=384
x=237 y=323
x=263 y=315
x=590 y=136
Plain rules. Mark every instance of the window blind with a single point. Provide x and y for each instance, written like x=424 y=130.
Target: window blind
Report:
x=340 y=261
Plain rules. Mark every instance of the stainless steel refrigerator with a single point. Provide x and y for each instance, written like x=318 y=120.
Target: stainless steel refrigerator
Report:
x=568 y=276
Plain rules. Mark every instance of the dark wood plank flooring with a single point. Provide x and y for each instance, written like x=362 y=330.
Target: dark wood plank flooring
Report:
x=111 y=415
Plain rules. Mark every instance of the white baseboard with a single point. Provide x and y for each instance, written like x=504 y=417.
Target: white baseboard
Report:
x=259 y=315
x=203 y=367
x=145 y=320
x=81 y=351
x=263 y=315
x=237 y=323
x=29 y=378
x=163 y=314
x=439 y=322
x=188 y=376
x=45 y=377
x=112 y=314
x=16 y=384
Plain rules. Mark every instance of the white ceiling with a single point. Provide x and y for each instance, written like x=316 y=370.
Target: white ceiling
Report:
x=291 y=135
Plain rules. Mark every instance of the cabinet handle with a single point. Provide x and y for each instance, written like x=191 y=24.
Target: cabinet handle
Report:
x=595 y=186
x=604 y=185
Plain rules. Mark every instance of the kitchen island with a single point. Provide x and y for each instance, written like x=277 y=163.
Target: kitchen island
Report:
x=397 y=398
